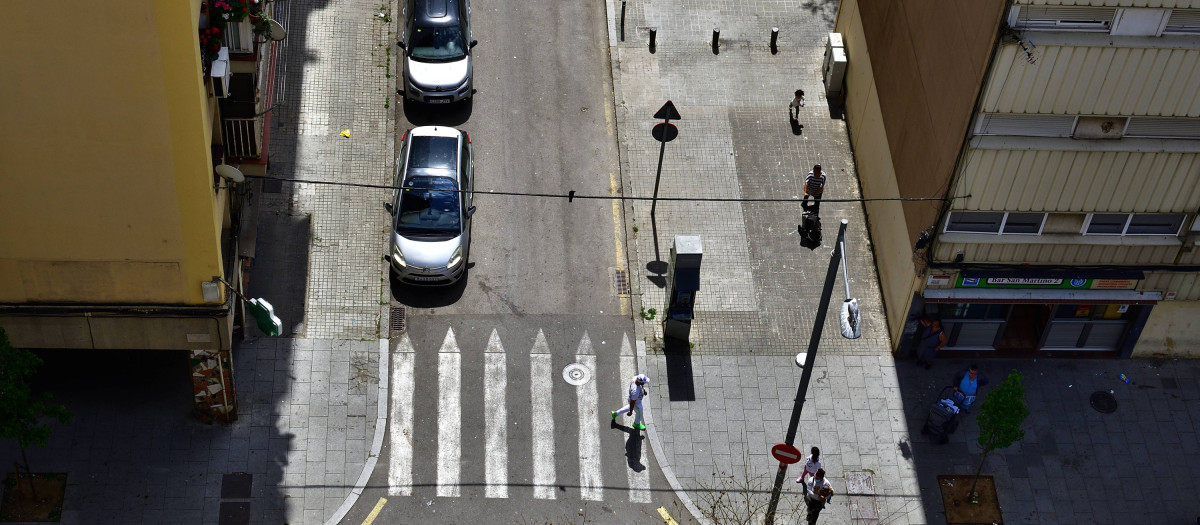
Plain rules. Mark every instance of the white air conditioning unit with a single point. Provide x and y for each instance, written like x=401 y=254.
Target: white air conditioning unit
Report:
x=220 y=74
x=835 y=66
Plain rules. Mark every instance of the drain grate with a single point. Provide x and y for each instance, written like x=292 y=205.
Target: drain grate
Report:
x=1103 y=402
x=397 y=319
x=621 y=281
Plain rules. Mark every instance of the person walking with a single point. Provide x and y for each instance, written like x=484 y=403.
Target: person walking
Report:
x=817 y=496
x=814 y=186
x=811 y=466
x=637 y=390
x=797 y=103
x=930 y=340
x=967 y=383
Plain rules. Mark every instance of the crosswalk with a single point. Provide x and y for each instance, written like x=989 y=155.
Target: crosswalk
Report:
x=519 y=449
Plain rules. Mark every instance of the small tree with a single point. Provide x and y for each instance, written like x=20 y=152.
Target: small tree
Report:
x=999 y=420
x=21 y=411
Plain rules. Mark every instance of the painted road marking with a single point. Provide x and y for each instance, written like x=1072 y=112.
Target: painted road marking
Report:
x=591 y=484
x=449 y=418
x=639 y=481
x=375 y=512
x=666 y=516
x=617 y=234
x=541 y=400
x=496 y=426
x=400 y=424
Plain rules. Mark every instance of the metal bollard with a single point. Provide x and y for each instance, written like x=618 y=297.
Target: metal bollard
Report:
x=774 y=40
x=716 y=41
x=653 y=36
x=622 y=20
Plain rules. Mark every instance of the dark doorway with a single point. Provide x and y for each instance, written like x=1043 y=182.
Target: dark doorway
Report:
x=1023 y=331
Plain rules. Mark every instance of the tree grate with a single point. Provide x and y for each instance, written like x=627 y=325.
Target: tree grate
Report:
x=397 y=319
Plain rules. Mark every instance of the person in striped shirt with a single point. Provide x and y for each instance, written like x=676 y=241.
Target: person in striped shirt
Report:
x=814 y=186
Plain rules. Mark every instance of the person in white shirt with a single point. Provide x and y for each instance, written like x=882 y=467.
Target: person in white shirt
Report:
x=820 y=484
x=811 y=466
x=637 y=390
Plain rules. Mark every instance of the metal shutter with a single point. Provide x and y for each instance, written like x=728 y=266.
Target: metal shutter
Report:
x=1183 y=21
x=1027 y=125
x=1163 y=127
x=1065 y=16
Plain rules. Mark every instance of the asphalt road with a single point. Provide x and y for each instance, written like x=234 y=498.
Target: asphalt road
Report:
x=541 y=293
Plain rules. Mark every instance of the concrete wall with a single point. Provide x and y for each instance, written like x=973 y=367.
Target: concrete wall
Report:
x=106 y=167
x=1173 y=329
x=914 y=71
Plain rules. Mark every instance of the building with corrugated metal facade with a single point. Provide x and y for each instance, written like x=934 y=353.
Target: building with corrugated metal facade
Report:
x=1060 y=141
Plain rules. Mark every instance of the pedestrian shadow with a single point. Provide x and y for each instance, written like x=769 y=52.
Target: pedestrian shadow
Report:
x=633 y=446
x=680 y=383
x=797 y=127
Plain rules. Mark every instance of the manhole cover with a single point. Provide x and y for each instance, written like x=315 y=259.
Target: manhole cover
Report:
x=577 y=374
x=1103 y=402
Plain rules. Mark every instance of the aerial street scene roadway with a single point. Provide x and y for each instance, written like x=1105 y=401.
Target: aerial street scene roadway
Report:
x=541 y=262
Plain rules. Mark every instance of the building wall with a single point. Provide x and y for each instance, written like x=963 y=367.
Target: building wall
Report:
x=1114 y=3
x=107 y=173
x=913 y=74
x=1173 y=329
x=1097 y=74
x=1076 y=179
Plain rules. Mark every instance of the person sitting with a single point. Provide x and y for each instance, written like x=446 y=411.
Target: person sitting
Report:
x=966 y=386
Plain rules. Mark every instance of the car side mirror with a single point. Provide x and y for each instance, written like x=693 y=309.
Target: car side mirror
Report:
x=401 y=44
x=470 y=211
x=388 y=207
x=474 y=43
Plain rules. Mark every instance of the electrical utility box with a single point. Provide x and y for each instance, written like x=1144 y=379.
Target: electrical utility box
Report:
x=683 y=274
x=835 y=66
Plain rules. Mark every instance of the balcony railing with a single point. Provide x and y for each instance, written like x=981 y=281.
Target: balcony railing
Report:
x=243 y=137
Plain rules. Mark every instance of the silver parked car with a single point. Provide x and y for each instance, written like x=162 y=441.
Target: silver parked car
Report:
x=431 y=206
x=437 y=50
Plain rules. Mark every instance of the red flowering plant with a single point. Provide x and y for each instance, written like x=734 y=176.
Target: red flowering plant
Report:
x=211 y=39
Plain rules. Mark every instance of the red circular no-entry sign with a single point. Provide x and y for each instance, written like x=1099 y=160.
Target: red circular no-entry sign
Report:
x=786 y=453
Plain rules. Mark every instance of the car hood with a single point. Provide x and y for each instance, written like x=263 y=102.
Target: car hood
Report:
x=439 y=74
x=430 y=254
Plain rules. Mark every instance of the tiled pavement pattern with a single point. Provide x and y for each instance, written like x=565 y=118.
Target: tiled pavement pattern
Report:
x=332 y=76
x=758 y=297
x=759 y=287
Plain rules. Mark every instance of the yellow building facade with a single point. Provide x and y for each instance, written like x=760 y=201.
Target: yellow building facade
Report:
x=113 y=223
x=1060 y=141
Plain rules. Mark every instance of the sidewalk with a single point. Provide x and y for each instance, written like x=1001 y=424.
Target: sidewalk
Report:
x=727 y=399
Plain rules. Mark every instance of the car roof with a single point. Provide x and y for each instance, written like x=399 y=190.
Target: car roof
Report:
x=436 y=11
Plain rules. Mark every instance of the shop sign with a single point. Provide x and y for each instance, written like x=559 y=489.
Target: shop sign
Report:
x=1045 y=283
x=938 y=280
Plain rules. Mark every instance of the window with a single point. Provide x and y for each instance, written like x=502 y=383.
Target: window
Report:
x=1023 y=223
x=1163 y=127
x=974 y=222
x=1063 y=18
x=1133 y=224
x=1185 y=21
x=1025 y=124
x=995 y=222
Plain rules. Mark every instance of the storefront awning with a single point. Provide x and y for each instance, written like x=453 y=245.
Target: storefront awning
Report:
x=1015 y=296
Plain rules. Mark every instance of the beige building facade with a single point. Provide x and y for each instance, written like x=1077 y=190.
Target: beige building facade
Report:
x=1059 y=143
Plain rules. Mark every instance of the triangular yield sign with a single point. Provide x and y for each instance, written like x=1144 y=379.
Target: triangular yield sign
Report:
x=668 y=112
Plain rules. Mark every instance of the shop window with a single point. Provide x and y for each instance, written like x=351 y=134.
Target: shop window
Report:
x=972 y=311
x=1093 y=312
x=1134 y=224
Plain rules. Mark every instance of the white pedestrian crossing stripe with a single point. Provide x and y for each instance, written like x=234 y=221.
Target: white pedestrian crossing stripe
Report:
x=595 y=449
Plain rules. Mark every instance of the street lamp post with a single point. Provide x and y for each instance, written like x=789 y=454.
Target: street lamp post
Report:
x=809 y=358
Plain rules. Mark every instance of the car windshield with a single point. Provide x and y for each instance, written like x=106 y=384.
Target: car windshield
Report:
x=438 y=44
x=429 y=207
